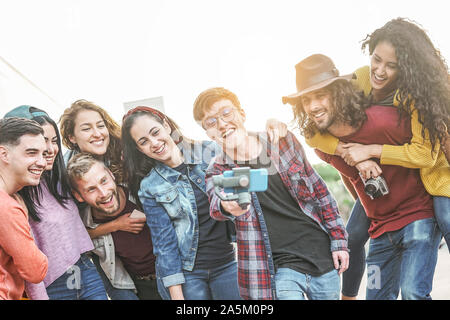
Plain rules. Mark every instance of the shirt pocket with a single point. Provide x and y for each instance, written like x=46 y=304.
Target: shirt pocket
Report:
x=170 y=200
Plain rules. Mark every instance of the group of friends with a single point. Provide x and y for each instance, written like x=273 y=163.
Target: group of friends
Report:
x=130 y=212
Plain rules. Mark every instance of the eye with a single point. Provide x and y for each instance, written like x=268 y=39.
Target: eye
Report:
x=155 y=132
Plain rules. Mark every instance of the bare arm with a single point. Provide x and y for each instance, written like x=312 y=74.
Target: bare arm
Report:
x=176 y=292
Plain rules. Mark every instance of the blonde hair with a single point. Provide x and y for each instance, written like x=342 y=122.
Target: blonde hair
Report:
x=79 y=165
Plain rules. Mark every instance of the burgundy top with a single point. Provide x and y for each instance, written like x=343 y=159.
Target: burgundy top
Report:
x=135 y=250
x=407 y=200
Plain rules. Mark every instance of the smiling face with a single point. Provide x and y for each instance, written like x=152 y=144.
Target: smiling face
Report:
x=153 y=139
x=51 y=139
x=383 y=69
x=26 y=160
x=318 y=107
x=98 y=189
x=224 y=123
x=90 y=133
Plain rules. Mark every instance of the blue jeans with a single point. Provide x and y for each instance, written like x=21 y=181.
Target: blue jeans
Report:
x=208 y=284
x=442 y=215
x=113 y=293
x=80 y=282
x=294 y=285
x=403 y=260
x=357 y=228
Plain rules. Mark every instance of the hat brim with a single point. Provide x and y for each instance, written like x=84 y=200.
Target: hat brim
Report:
x=292 y=99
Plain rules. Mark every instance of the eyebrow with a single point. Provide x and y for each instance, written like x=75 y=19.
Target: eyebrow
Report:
x=88 y=123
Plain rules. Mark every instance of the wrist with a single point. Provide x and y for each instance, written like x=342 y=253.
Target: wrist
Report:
x=376 y=150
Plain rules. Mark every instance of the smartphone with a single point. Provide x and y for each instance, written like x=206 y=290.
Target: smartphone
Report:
x=258 y=180
x=136 y=214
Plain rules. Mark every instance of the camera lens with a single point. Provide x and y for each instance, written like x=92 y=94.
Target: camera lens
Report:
x=370 y=189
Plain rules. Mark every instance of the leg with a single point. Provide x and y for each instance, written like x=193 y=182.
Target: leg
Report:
x=383 y=268
x=357 y=227
x=66 y=286
x=290 y=284
x=113 y=293
x=325 y=287
x=223 y=282
x=196 y=286
x=420 y=242
x=91 y=284
x=442 y=215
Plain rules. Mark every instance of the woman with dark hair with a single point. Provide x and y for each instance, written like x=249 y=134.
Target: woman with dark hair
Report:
x=407 y=72
x=195 y=258
x=56 y=225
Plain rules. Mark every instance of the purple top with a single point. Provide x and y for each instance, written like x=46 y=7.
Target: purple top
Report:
x=61 y=236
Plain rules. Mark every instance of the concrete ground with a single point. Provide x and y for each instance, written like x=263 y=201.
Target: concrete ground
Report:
x=441 y=283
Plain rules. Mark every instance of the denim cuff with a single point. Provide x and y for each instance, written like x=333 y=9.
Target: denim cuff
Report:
x=174 y=279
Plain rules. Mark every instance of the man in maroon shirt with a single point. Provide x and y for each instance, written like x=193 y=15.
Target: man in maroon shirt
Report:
x=94 y=184
x=404 y=236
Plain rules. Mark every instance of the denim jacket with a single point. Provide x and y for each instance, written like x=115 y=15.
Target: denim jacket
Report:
x=169 y=203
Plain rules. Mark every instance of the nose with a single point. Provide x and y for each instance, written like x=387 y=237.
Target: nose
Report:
x=103 y=191
x=49 y=148
x=96 y=132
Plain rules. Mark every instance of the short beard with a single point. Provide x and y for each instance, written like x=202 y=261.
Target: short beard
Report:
x=114 y=194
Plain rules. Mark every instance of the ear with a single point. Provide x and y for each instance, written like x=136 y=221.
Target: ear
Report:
x=242 y=113
x=72 y=139
x=77 y=195
x=4 y=152
x=167 y=126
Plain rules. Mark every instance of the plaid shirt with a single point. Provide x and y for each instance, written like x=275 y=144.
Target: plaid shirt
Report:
x=256 y=272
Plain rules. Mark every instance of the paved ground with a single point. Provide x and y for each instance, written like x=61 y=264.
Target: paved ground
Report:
x=441 y=283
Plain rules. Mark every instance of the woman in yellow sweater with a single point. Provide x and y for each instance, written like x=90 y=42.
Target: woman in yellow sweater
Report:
x=407 y=72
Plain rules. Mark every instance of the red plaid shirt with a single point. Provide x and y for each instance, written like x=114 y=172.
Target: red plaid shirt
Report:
x=256 y=270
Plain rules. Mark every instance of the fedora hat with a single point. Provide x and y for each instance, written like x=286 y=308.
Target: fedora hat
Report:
x=313 y=73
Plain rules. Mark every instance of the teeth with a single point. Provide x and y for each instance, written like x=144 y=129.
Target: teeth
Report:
x=228 y=132
x=98 y=142
x=378 y=78
x=318 y=115
x=160 y=149
x=37 y=172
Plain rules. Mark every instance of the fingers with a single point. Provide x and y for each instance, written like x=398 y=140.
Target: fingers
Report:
x=340 y=261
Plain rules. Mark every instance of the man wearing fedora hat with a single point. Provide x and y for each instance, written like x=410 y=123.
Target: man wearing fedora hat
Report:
x=291 y=239
x=404 y=236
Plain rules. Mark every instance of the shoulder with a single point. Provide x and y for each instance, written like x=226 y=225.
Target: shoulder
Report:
x=362 y=80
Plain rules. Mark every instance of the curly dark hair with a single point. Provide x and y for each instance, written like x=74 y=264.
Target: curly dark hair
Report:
x=423 y=77
x=349 y=104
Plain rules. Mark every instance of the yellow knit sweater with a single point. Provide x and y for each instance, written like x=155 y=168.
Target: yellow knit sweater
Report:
x=434 y=169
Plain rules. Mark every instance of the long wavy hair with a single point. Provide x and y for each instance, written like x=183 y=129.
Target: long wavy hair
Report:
x=113 y=155
x=56 y=179
x=349 y=105
x=423 y=77
x=136 y=164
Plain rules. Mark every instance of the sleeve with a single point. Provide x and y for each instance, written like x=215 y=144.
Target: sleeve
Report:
x=17 y=241
x=165 y=243
x=416 y=153
x=327 y=208
x=215 y=210
x=324 y=142
x=36 y=291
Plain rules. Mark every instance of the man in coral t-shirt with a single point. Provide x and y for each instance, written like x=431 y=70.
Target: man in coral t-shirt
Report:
x=22 y=150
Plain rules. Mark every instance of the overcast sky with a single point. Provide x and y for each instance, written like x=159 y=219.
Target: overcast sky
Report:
x=111 y=52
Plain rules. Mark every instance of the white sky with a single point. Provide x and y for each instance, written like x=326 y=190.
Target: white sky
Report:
x=113 y=51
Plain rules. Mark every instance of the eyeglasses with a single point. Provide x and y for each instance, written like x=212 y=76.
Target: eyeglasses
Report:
x=226 y=115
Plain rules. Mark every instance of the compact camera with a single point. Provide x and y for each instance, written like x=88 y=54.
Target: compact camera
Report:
x=239 y=182
x=375 y=187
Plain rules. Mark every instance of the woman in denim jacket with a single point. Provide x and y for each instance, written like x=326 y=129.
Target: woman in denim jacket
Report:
x=166 y=174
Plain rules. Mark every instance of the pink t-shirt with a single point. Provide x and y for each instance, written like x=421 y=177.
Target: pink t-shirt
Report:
x=61 y=235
